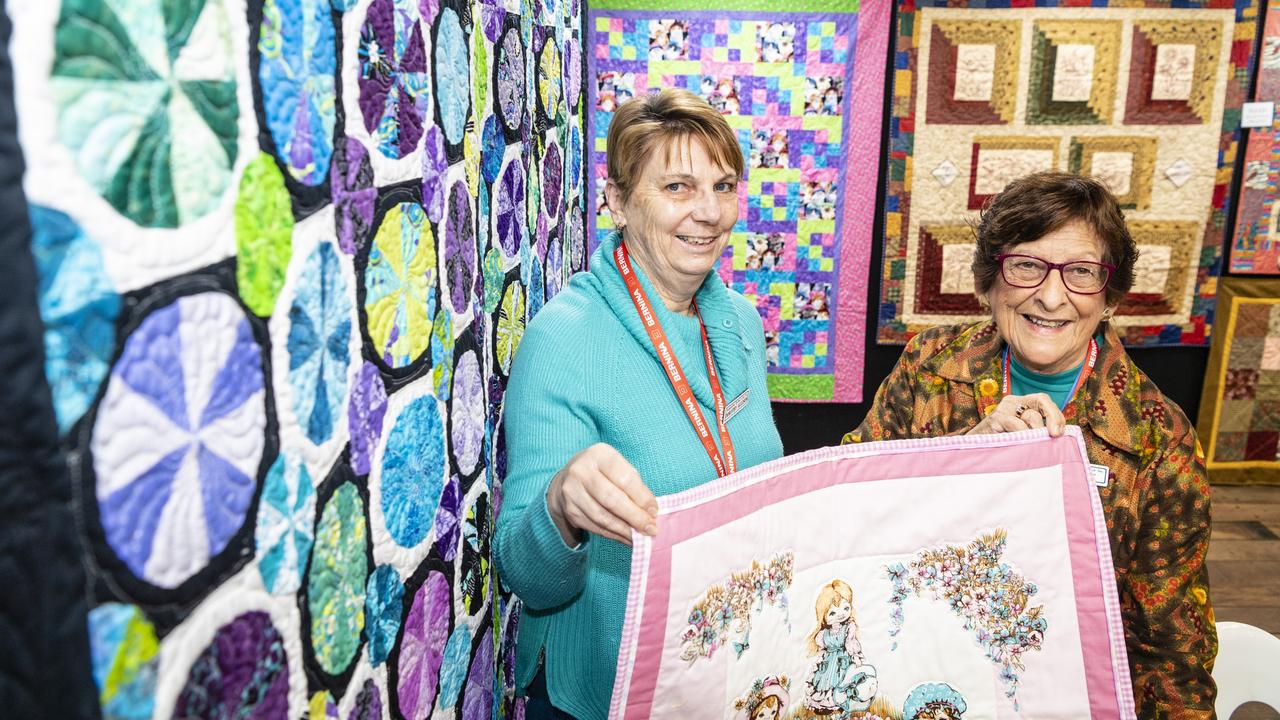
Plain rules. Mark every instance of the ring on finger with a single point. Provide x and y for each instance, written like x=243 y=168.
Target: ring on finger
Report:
x=1018 y=413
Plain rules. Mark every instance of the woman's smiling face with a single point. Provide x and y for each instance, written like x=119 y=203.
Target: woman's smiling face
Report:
x=679 y=215
x=1048 y=327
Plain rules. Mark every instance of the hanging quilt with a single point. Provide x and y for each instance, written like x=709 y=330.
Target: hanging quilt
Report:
x=1240 y=404
x=1255 y=247
x=802 y=86
x=287 y=250
x=1140 y=95
x=964 y=576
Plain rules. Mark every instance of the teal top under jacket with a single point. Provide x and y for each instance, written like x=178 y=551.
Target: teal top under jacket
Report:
x=1057 y=386
x=587 y=373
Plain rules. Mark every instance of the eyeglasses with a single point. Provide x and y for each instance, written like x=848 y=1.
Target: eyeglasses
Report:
x=1083 y=277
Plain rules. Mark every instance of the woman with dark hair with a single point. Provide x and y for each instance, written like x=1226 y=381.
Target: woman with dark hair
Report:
x=1054 y=260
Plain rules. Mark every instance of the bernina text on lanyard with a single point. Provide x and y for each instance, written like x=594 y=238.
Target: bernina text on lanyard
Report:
x=728 y=463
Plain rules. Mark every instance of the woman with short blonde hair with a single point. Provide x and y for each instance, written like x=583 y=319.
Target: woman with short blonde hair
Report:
x=594 y=424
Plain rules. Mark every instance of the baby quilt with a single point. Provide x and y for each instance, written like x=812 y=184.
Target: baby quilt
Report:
x=961 y=577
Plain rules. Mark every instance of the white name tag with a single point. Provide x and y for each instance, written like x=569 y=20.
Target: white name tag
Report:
x=736 y=406
x=1100 y=474
x=1257 y=114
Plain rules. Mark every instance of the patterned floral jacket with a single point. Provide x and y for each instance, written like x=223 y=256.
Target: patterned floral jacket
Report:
x=1156 y=503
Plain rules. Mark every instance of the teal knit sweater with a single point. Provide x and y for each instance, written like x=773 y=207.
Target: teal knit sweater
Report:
x=585 y=373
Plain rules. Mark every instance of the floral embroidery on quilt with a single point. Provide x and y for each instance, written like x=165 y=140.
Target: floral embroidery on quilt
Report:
x=991 y=597
x=723 y=615
x=1074 y=72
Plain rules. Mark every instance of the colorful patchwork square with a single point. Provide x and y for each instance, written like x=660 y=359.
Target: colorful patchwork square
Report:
x=1126 y=165
x=791 y=84
x=1142 y=95
x=944 y=276
x=998 y=161
x=1172 y=72
x=1074 y=71
x=973 y=72
x=1239 y=422
x=1168 y=255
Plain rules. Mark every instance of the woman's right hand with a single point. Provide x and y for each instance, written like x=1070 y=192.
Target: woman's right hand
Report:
x=1023 y=412
x=599 y=492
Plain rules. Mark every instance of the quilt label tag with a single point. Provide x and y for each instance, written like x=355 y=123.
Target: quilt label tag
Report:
x=1257 y=114
x=1100 y=475
x=734 y=407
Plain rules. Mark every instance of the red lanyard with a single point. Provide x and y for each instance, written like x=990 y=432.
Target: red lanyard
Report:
x=675 y=374
x=1090 y=360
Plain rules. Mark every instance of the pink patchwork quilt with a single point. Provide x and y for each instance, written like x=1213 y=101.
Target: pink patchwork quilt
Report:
x=964 y=577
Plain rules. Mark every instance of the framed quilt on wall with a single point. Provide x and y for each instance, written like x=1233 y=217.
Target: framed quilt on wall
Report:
x=1255 y=245
x=1239 y=423
x=967 y=574
x=287 y=250
x=803 y=87
x=1141 y=95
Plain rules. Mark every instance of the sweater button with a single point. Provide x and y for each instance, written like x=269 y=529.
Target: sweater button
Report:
x=727 y=323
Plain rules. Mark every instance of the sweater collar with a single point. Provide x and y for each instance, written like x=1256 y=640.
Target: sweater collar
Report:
x=974 y=357
x=714 y=304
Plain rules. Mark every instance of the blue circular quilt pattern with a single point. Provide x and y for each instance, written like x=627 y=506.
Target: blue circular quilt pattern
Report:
x=297 y=68
x=467 y=416
x=79 y=308
x=318 y=344
x=179 y=436
x=510 y=79
x=493 y=146
x=285 y=532
x=413 y=471
x=453 y=75
x=383 y=601
x=453 y=671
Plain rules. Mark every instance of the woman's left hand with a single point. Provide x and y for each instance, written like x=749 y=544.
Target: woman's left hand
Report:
x=1023 y=412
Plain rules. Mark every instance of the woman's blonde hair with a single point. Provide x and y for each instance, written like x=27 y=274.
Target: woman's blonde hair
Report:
x=645 y=123
x=831 y=593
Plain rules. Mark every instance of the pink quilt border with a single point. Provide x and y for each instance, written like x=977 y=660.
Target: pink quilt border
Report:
x=652 y=555
x=865 y=130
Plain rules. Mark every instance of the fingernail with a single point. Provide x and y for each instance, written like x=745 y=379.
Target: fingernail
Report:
x=651 y=530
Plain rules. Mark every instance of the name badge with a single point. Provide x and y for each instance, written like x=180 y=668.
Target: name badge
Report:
x=736 y=406
x=1100 y=475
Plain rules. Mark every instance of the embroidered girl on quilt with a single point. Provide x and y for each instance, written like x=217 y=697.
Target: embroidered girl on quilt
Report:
x=766 y=700
x=723 y=614
x=840 y=681
x=990 y=597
